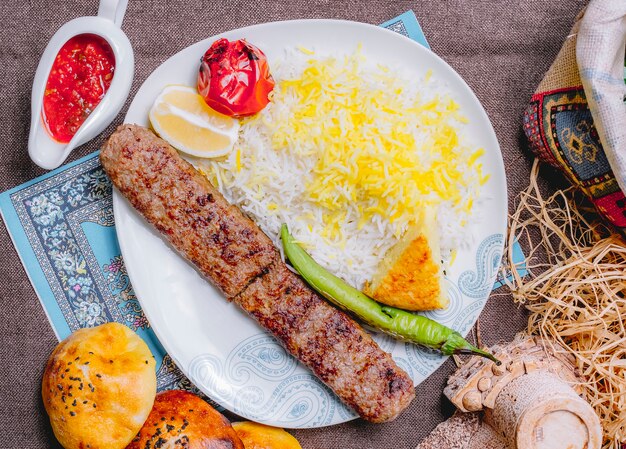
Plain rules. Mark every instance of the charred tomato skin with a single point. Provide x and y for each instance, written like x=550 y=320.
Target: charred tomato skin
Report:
x=234 y=78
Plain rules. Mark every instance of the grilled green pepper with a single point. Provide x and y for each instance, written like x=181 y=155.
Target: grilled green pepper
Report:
x=399 y=323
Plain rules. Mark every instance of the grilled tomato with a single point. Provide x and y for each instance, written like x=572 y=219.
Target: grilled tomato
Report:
x=235 y=78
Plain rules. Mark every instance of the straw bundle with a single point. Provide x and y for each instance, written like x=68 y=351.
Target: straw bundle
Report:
x=576 y=293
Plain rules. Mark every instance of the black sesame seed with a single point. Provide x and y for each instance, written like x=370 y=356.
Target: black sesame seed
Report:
x=90 y=352
x=163 y=418
x=67 y=370
x=69 y=363
x=62 y=376
x=169 y=427
x=77 y=358
x=63 y=398
x=146 y=362
x=110 y=361
x=69 y=394
x=72 y=414
x=94 y=405
x=80 y=387
x=86 y=363
x=84 y=402
x=98 y=376
x=60 y=387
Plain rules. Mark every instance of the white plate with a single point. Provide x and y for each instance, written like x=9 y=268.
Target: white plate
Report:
x=223 y=351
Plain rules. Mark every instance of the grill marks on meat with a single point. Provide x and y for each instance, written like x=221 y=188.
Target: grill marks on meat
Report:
x=235 y=254
x=225 y=245
x=330 y=343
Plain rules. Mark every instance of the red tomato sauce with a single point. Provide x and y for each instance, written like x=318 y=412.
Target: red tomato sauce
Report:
x=80 y=76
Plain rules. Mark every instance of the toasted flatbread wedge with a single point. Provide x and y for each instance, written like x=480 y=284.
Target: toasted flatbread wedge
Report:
x=410 y=275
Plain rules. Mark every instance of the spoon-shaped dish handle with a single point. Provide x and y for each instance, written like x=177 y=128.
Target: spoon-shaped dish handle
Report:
x=113 y=10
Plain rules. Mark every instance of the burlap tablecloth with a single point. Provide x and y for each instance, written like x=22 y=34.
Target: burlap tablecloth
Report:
x=501 y=48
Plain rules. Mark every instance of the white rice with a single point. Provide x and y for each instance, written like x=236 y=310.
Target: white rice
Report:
x=270 y=184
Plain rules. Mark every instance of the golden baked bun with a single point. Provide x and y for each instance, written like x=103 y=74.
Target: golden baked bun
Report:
x=260 y=436
x=98 y=387
x=181 y=420
x=410 y=275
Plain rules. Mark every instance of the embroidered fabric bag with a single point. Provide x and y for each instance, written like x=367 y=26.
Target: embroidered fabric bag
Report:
x=576 y=120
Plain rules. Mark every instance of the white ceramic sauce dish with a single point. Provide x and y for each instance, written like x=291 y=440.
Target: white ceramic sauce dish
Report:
x=43 y=149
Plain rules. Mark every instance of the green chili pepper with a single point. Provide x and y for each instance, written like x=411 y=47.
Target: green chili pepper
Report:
x=399 y=323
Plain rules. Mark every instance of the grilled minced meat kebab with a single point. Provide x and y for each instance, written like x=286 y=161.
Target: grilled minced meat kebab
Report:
x=241 y=260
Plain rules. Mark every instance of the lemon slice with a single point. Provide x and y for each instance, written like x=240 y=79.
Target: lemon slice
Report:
x=181 y=117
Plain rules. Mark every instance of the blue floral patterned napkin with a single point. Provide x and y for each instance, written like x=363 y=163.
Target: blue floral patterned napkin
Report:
x=63 y=229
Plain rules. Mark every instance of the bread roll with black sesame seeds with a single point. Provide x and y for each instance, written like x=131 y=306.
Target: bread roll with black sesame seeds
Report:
x=181 y=420
x=98 y=387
